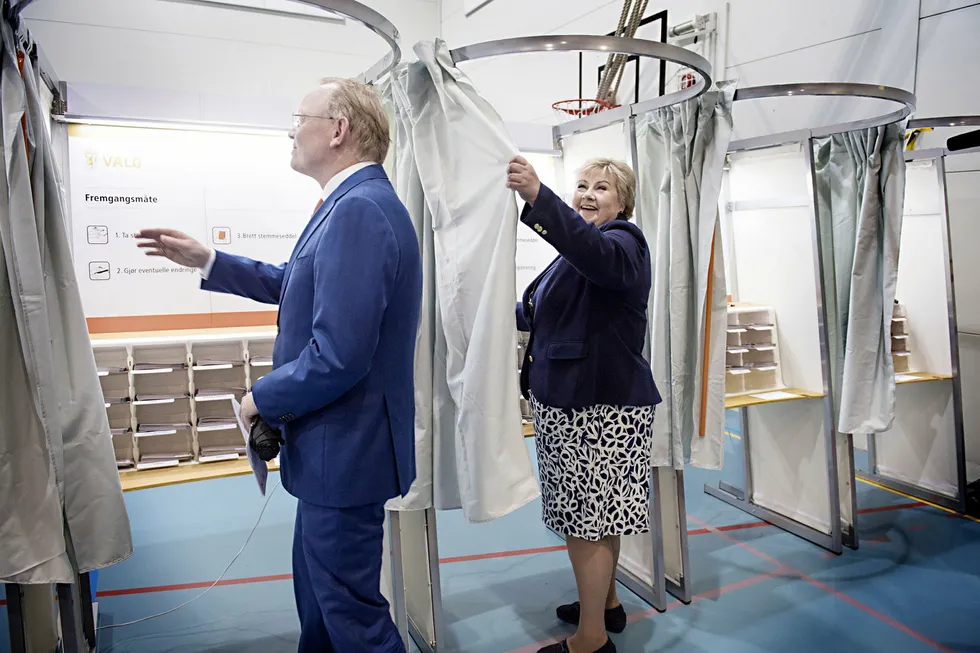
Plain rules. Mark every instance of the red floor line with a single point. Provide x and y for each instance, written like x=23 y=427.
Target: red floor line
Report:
x=897 y=506
x=502 y=554
x=706 y=596
x=783 y=567
x=469 y=558
x=194 y=586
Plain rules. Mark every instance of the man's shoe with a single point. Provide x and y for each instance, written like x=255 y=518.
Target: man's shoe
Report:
x=615 y=617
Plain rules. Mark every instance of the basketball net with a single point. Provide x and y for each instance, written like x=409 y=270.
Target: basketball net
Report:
x=567 y=110
x=629 y=21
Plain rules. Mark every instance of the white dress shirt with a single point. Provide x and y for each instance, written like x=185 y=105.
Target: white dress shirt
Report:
x=332 y=185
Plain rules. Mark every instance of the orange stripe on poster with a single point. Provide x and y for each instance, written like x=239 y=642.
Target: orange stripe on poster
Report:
x=149 y=323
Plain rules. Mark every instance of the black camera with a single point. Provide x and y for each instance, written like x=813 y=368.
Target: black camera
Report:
x=264 y=439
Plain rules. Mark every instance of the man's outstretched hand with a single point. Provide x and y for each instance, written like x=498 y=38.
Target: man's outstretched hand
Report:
x=174 y=245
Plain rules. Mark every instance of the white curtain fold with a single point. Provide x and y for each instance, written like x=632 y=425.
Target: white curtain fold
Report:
x=860 y=195
x=681 y=154
x=59 y=487
x=451 y=162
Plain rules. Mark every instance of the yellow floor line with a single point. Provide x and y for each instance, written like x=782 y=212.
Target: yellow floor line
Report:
x=909 y=496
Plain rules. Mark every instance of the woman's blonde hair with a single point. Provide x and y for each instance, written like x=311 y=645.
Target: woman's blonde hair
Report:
x=622 y=177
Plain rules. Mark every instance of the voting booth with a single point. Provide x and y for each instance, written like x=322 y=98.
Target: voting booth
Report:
x=649 y=566
x=786 y=329
x=923 y=454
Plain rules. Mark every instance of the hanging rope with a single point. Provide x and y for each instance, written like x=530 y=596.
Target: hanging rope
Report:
x=634 y=24
x=608 y=72
x=629 y=23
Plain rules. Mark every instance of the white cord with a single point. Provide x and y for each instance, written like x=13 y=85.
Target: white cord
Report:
x=215 y=583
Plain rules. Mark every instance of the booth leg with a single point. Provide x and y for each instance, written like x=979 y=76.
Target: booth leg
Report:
x=741 y=498
x=916 y=491
x=70 y=615
x=398 y=577
x=845 y=458
x=428 y=641
x=88 y=614
x=15 y=618
x=680 y=588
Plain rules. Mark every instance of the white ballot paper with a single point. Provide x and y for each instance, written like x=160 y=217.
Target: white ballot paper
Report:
x=259 y=466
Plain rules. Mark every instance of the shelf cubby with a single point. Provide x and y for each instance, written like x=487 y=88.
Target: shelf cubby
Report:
x=752 y=355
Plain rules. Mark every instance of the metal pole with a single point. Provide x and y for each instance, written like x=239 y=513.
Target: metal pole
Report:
x=15 y=618
x=88 y=613
x=829 y=380
x=71 y=637
x=954 y=344
x=398 y=599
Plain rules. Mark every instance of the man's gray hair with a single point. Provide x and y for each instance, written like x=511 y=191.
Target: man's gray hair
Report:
x=361 y=105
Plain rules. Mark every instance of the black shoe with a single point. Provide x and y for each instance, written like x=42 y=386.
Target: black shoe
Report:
x=615 y=617
x=562 y=647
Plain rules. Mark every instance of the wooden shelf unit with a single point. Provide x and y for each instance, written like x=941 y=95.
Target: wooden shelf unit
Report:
x=168 y=395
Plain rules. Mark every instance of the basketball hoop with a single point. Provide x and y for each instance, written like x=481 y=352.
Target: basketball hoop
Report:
x=567 y=110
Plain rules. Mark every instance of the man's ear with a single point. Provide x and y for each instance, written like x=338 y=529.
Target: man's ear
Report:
x=341 y=132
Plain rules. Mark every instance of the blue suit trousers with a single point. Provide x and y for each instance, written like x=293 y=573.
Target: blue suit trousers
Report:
x=336 y=579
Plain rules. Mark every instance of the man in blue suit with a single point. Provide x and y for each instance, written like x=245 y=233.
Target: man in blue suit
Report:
x=342 y=385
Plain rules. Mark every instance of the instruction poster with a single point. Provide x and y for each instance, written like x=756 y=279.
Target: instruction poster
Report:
x=234 y=192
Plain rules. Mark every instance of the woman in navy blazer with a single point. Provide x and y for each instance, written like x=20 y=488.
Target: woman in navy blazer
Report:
x=591 y=390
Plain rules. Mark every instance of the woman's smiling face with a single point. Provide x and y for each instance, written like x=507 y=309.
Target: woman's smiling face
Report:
x=596 y=198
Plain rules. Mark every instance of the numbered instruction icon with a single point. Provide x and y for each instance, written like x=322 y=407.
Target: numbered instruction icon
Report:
x=98 y=270
x=98 y=234
x=221 y=235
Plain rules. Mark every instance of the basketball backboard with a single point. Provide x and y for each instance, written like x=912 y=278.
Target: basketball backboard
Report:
x=641 y=79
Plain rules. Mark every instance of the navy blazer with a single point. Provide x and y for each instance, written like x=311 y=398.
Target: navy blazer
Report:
x=342 y=385
x=587 y=312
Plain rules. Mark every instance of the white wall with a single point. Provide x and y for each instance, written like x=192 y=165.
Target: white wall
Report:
x=761 y=42
x=150 y=58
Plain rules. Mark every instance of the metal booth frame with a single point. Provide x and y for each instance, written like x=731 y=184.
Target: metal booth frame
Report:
x=655 y=595
x=841 y=534
x=76 y=614
x=958 y=502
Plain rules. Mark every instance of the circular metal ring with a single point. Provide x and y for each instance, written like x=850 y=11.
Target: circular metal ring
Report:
x=604 y=44
x=349 y=9
x=945 y=121
x=838 y=89
x=373 y=21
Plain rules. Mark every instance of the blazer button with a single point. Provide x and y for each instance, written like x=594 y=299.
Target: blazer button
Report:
x=530 y=358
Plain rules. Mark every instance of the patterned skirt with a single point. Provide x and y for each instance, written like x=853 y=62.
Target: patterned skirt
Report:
x=594 y=467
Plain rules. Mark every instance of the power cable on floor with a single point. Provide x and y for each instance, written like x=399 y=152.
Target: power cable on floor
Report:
x=215 y=583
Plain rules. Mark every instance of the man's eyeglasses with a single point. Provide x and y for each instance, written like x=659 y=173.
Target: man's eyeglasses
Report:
x=298 y=119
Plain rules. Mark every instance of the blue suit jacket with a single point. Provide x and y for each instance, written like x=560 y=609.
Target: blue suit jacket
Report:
x=342 y=384
x=587 y=312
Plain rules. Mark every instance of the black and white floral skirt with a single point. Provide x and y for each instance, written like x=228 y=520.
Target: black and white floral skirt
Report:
x=594 y=467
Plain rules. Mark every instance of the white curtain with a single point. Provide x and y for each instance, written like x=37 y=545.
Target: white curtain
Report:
x=860 y=191
x=450 y=166
x=60 y=495
x=681 y=152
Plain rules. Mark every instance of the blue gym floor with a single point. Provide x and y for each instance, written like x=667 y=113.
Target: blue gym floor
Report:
x=913 y=586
